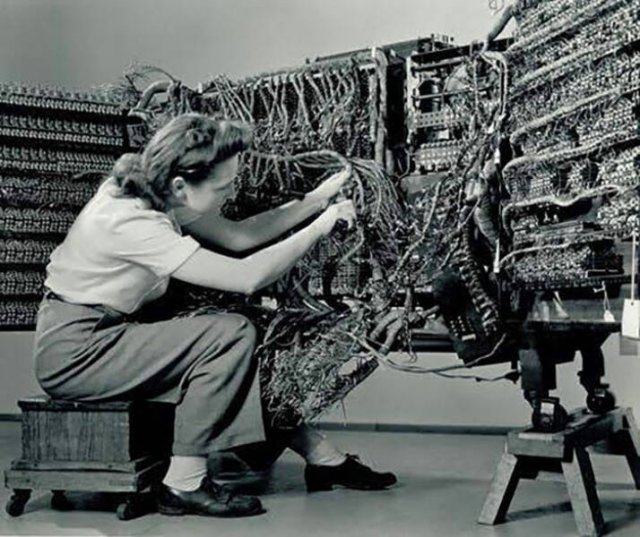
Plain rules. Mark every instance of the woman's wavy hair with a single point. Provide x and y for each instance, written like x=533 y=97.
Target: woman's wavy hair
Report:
x=189 y=145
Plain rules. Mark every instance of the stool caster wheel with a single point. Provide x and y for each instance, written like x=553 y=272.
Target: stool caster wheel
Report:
x=59 y=501
x=601 y=401
x=549 y=416
x=15 y=505
x=132 y=508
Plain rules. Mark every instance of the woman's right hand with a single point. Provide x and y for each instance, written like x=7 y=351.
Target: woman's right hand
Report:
x=342 y=210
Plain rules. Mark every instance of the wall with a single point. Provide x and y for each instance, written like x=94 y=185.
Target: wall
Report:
x=89 y=42
x=84 y=42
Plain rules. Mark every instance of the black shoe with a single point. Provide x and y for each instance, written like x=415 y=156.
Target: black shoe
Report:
x=351 y=474
x=208 y=499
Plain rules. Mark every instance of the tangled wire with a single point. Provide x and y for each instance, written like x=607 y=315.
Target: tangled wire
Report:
x=349 y=301
x=308 y=123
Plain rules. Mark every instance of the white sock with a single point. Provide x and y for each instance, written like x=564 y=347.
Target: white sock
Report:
x=314 y=447
x=185 y=473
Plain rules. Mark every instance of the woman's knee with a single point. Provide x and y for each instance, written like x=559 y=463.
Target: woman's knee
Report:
x=234 y=330
x=243 y=327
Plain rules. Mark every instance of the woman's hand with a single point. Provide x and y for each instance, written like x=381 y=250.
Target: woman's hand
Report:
x=343 y=210
x=330 y=187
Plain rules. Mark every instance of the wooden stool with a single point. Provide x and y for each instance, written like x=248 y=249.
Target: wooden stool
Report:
x=528 y=452
x=119 y=447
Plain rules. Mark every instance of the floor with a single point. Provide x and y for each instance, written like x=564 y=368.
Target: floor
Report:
x=442 y=483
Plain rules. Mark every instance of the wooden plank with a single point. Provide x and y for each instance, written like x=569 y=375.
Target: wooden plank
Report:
x=532 y=444
x=502 y=490
x=591 y=432
x=583 y=430
x=581 y=485
x=70 y=480
x=97 y=481
x=129 y=466
x=42 y=402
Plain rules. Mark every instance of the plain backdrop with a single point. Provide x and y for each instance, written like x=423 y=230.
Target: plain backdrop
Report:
x=90 y=42
x=80 y=42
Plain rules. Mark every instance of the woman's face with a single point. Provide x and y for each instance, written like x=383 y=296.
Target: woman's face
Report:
x=214 y=191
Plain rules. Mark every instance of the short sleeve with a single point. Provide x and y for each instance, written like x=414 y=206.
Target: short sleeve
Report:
x=149 y=239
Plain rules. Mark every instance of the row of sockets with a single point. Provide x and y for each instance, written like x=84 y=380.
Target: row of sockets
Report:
x=43 y=123
x=16 y=283
x=27 y=252
x=51 y=136
x=18 y=312
x=580 y=22
x=613 y=72
x=63 y=168
x=617 y=117
x=620 y=211
x=437 y=155
x=553 y=265
x=621 y=168
x=441 y=118
x=37 y=221
x=21 y=191
x=98 y=102
x=611 y=33
x=603 y=128
x=50 y=160
x=534 y=14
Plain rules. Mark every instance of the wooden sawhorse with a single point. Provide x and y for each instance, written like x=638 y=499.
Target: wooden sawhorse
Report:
x=528 y=452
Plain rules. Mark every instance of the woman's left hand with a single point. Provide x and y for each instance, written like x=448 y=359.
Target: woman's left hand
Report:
x=329 y=188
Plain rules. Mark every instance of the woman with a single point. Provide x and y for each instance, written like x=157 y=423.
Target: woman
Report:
x=119 y=255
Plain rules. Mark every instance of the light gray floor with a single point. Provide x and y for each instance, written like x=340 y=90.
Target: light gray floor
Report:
x=443 y=481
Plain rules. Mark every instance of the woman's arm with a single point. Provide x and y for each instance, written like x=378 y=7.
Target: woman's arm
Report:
x=249 y=274
x=238 y=236
x=242 y=235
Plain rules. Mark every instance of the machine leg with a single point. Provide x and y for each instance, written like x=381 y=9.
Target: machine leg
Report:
x=503 y=487
x=581 y=485
x=538 y=378
x=599 y=398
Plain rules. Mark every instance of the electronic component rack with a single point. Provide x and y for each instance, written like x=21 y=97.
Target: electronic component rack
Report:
x=434 y=127
x=55 y=145
x=440 y=83
x=572 y=188
x=339 y=103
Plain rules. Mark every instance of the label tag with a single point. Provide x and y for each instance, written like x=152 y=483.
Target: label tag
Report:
x=631 y=318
